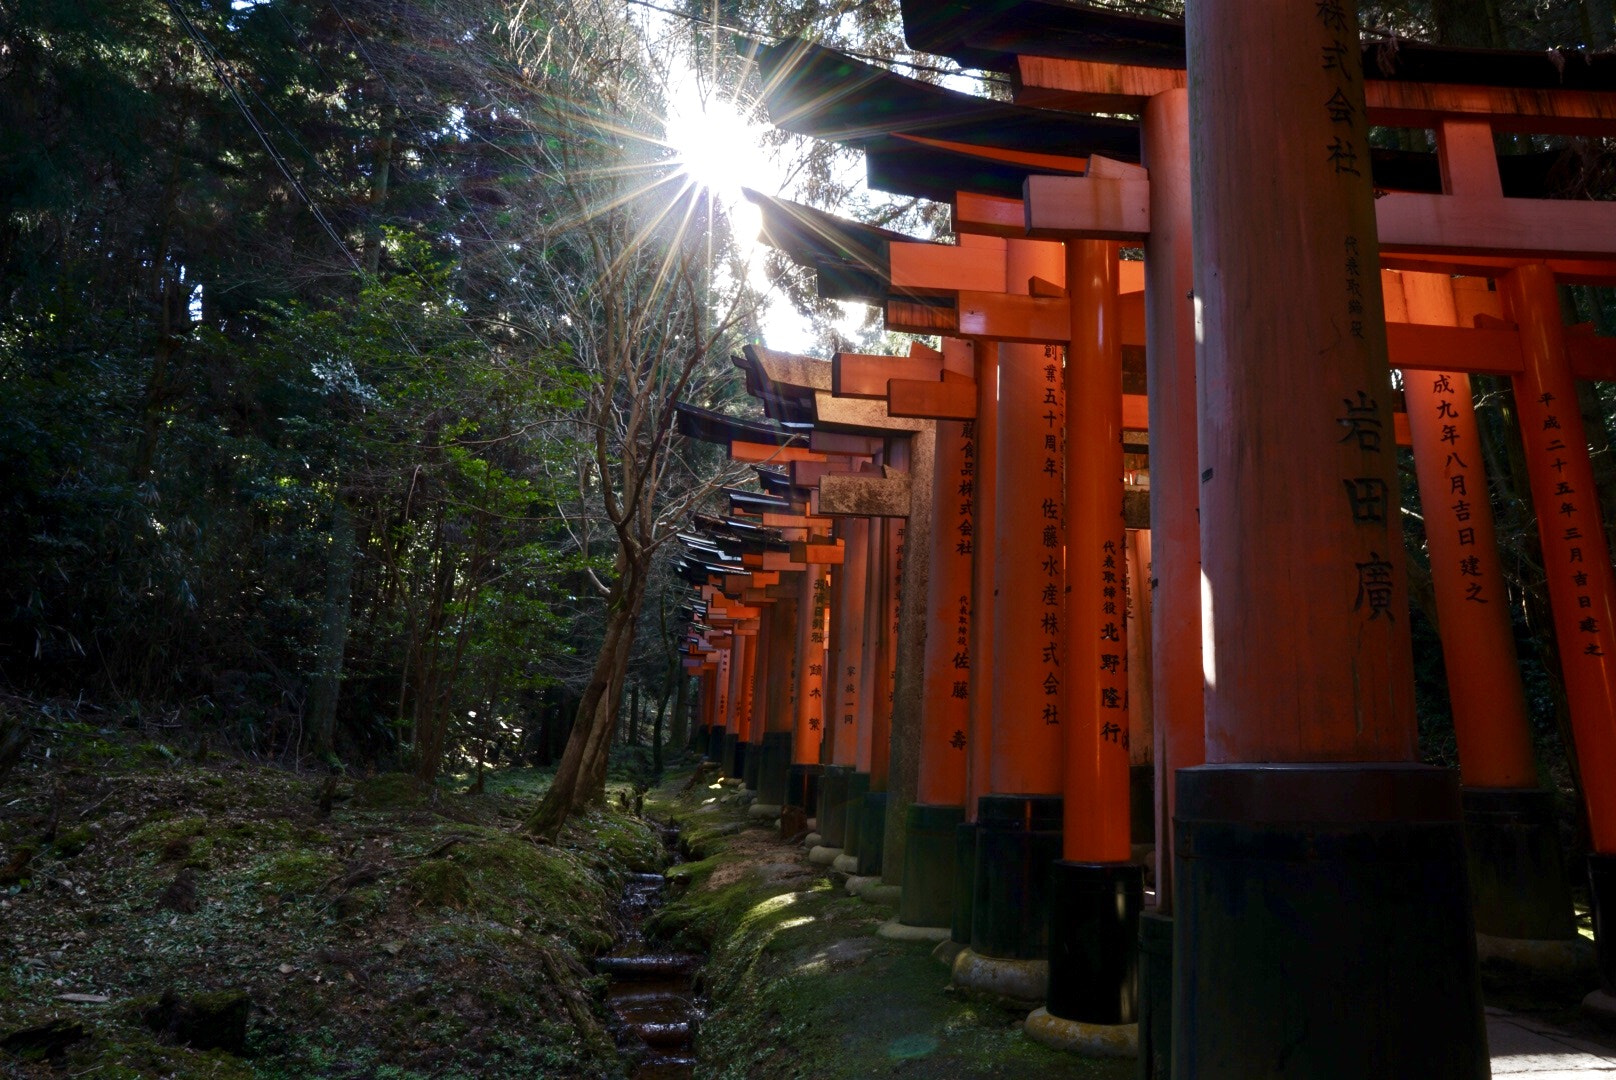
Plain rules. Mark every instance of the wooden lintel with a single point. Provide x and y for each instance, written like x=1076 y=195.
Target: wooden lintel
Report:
x=752 y=560
x=1032 y=320
x=1417 y=347
x=824 y=554
x=989 y=215
x=1566 y=271
x=1087 y=207
x=842 y=442
x=797 y=521
x=781 y=560
x=863 y=376
x=757 y=596
x=930 y=398
x=1538 y=228
x=921 y=267
x=1090 y=86
x=807 y=474
x=763 y=577
x=783 y=592
x=864 y=496
x=755 y=453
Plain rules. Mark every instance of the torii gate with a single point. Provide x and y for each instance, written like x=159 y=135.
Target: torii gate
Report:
x=1453 y=223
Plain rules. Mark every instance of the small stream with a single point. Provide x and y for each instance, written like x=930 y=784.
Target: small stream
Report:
x=651 y=992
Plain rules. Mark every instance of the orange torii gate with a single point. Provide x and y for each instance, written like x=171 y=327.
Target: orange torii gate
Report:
x=1453 y=221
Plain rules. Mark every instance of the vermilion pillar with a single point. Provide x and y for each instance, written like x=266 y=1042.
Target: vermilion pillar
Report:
x=1517 y=873
x=842 y=693
x=813 y=611
x=939 y=807
x=881 y=645
x=779 y=713
x=1177 y=684
x=1096 y=891
x=1576 y=563
x=1318 y=867
x=1018 y=821
x=875 y=677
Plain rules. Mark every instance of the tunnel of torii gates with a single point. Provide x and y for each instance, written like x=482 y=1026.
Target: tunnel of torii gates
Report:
x=929 y=627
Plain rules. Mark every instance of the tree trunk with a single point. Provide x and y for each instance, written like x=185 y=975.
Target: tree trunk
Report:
x=339 y=574
x=581 y=777
x=634 y=715
x=681 y=710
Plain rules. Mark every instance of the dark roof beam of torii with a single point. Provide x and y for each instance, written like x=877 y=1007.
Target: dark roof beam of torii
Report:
x=991 y=36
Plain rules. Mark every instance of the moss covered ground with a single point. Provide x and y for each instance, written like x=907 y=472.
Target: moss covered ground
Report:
x=799 y=985
x=403 y=932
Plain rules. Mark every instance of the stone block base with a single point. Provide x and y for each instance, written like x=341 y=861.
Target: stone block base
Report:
x=899 y=931
x=1015 y=982
x=824 y=856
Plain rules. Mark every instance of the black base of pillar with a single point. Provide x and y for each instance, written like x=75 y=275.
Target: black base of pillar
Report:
x=1517 y=873
x=802 y=788
x=1094 y=941
x=858 y=786
x=1602 y=899
x=1155 y=996
x=928 y=864
x=833 y=804
x=1336 y=899
x=732 y=758
x=964 y=882
x=872 y=833
x=774 y=763
x=751 y=760
x=1017 y=838
x=1142 y=803
x=715 y=744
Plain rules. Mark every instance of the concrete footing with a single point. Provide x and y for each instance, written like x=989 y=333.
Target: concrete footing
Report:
x=823 y=856
x=947 y=951
x=1600 y=1007
x=764 y=810
x=900 y=931
x=845 y=863
x=1018 y=982
x=870 y=889
x=1090 y=1040
x=812 y=840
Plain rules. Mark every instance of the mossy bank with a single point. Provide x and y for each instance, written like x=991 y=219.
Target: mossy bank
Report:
x=364 y=928
x=799 y=985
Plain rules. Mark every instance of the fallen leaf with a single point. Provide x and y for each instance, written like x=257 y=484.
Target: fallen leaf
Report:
x=287 y=969
x=393 y=948
x=84 y=999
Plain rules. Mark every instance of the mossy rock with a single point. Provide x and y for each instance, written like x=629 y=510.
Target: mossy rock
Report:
x=297 y=873
x=389 y=790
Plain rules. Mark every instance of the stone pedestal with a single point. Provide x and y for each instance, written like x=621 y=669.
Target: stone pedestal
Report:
x=1018 y=838
x=928 y=865
x=1322 y=925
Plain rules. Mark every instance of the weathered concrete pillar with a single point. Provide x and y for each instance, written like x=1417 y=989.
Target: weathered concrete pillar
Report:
x=909 y=670
x=1319 y=867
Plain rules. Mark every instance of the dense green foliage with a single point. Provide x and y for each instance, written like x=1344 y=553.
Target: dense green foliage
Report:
x=294 y=348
